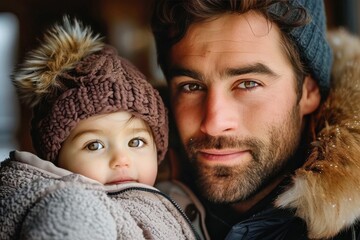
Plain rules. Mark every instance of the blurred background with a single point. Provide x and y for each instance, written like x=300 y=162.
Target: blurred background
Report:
x=124 y=23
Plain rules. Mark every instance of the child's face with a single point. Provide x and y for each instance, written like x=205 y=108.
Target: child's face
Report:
x=111 y=148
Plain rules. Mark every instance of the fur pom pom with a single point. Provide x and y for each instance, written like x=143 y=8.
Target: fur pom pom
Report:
x=62 y=47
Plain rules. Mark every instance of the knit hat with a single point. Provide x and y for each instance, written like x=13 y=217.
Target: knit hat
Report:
x=72 y=76
x=311 y=40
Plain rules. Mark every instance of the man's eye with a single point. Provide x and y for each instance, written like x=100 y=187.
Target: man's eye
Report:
x=191 y=87
x=93 y=146
x=248 y=85
x=136 y=143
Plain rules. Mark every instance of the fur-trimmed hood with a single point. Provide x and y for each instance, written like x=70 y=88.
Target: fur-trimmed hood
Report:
x=326 y=190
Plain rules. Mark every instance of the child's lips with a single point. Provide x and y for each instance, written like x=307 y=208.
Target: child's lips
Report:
x=120 y=181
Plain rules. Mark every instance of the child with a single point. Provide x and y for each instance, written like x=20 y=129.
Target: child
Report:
x=103 y=130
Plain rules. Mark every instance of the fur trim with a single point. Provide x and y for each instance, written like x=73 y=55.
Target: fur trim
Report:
x=326 y=190
x=63 y=46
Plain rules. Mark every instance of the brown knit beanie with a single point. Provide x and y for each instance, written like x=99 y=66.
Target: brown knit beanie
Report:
x=72 y=76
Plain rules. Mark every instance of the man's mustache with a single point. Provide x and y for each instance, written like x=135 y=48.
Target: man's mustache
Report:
x=222 y=142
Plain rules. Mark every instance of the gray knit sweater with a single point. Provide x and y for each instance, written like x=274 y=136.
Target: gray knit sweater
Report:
x=42 y=201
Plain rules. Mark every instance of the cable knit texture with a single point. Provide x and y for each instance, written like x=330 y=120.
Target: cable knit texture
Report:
x=51 y=203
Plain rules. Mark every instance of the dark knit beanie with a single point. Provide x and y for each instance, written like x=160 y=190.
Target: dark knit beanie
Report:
x=311 y=40
x=72 y=76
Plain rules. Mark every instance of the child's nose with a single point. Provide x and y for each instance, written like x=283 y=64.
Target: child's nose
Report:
x=119 y=159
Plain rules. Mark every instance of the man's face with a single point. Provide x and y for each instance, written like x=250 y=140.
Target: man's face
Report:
x=235 y=104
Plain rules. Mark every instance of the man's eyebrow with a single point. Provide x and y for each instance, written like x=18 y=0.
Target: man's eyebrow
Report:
x=257 y=68
x=179 y=72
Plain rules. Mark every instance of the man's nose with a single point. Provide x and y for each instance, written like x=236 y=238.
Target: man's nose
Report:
x=219 y=113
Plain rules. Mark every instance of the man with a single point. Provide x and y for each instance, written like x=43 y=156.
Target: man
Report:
x=247 y=81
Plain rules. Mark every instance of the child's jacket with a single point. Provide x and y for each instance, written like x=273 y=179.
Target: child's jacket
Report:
x=42 y=201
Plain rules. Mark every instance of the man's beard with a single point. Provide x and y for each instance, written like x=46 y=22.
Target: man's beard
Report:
x=269 y=157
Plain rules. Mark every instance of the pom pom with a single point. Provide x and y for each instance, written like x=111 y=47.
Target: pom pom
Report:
x=63 y=46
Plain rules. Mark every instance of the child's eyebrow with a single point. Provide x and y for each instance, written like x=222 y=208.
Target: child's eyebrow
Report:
x=86 y=131
x=140 y=130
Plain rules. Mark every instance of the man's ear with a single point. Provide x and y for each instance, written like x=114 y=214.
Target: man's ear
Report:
x=310 y=98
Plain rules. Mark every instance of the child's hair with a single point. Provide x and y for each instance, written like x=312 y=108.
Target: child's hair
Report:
x=72 y=76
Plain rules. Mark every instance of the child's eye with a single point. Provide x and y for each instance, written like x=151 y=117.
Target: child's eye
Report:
x=136 y=143
x=93 y=146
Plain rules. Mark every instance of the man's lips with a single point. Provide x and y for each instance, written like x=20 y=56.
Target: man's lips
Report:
x=222 y=154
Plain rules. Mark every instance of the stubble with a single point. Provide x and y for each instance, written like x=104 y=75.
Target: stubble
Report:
x=269 y=156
